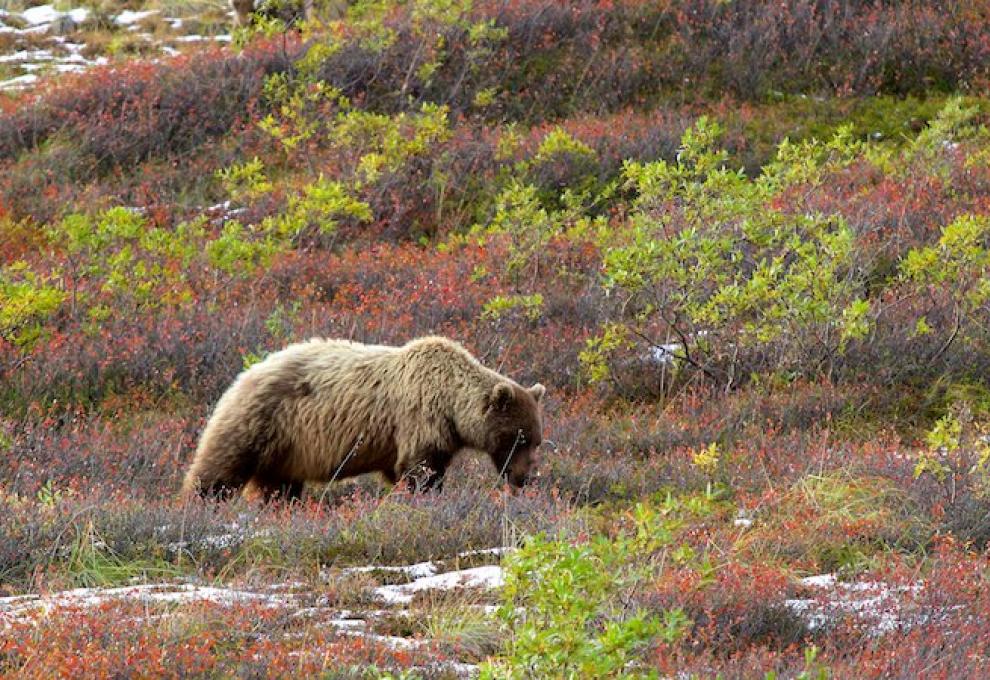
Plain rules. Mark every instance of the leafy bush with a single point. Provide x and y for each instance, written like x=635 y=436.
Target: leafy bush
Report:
x=737 y=277
x=561 y=602
x=730 y=284
x=26 y=301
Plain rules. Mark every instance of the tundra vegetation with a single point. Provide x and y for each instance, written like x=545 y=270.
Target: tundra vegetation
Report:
x=746 y=246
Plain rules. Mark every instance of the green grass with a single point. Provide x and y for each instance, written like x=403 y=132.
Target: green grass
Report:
x=457 y=621
x=91 y=564
x=836 y=521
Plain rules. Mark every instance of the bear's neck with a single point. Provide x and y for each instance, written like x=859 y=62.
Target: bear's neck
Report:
x=470 y=401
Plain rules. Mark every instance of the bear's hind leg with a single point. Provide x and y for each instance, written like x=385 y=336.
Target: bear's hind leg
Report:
x=220 y=478
x=221 y=487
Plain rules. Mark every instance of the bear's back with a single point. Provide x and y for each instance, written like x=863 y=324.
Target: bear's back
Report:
x=329 y=352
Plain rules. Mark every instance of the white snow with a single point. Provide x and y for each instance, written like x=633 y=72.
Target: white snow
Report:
x=128 y=17
x=873 y=602
x=18 y=606
x=30 y=61
x=216 y=541
x=27 y=55
x=224 y=209
x=663 y=354
x=489 y=576
x=463 y=670
x=45 y=14
x=388 y=640
x=744 y=519
x=419 y=570
x=291 y=596
x=70 y=68
x=195 y=37
x=414 y=571
x=79 y=15
x=499 y=550
x=820 y=581
x=18 y=82
x=40 y=20
x=42 y=14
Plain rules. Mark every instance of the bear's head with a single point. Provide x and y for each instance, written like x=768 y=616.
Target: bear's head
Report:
x=514 y=430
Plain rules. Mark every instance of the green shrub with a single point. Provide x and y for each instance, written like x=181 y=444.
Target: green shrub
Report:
x=27 y=299
x=741 y=277
x=708 y=260
x=567 y=604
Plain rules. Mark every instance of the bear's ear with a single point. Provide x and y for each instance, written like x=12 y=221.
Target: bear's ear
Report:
x=537 y=390
x=501 y=396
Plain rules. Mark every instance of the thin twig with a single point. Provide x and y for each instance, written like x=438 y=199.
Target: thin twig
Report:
x=955 y=332
x=357 y=444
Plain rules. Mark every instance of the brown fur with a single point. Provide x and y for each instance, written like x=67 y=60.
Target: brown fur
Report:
x=328 y=409
x=242 y=10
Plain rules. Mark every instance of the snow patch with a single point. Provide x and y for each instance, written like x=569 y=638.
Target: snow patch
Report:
x=19 y=82
x=388 y=640
x=499 y=550
x=419 y=570
x=224 y=208
x=663 y=354
x=820 y=581
x=291 y=596
x=21 y=606
x=128 y=17
x=46 y=14
x=195 y=37
x=877 y=604
x=413 y=571
x=743 y=520
x=27 y=55
x=489 y=576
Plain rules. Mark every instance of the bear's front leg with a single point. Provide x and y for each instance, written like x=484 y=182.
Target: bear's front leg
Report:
x=433 y=463
x=437 y=464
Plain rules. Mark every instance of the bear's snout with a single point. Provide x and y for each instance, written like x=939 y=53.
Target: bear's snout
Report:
x=519 y=481
x=521 y=468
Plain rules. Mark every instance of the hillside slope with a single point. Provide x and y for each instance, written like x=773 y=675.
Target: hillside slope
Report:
x=744 y=245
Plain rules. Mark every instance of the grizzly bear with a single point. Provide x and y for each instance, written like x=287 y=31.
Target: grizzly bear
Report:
x=327 y=409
